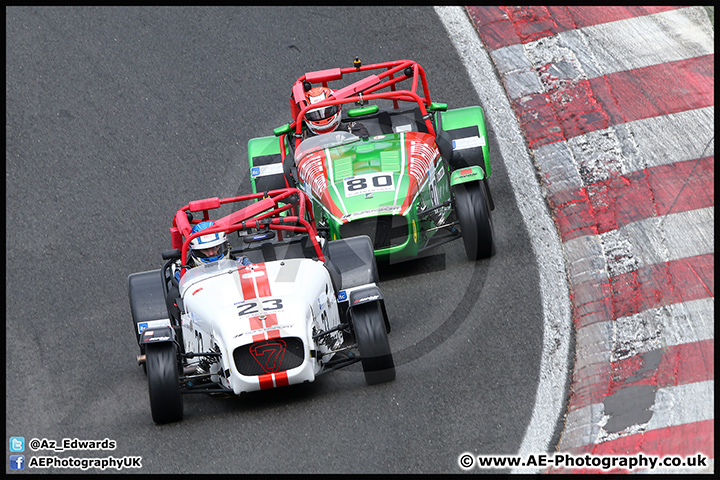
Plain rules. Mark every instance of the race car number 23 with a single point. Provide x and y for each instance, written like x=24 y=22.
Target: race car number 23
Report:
x=368 y=183
x=253 y=308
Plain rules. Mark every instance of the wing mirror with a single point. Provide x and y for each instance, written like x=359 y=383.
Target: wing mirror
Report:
x=359 y=112
x=282 y=130
x=173 y=254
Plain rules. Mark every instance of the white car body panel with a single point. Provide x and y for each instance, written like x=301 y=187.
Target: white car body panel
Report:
x=229 y=305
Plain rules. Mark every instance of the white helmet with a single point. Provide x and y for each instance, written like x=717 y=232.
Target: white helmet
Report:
x=208 y=248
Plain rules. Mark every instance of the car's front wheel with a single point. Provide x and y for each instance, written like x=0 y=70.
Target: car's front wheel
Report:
x=373 y=343
x=474 y=215
x=166 y=402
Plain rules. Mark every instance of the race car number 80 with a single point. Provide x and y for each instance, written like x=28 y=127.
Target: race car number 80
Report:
x=368 y=183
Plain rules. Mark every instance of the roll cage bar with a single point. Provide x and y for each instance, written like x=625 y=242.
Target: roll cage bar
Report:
x=265 y=213
x=361 y=91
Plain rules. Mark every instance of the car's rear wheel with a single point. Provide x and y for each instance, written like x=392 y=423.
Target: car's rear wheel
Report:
x=166 y=402
x=373 y=343
x=475 y=222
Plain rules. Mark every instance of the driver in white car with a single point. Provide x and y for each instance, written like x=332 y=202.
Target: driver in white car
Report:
x=204 y=250
x=208 y=248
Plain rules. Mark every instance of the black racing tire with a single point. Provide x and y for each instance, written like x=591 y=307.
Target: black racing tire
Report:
x=166 y=402
x=373 y=343
x=473 y=213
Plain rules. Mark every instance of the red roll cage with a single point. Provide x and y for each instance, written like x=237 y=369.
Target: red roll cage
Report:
x=360 y=91
x=266 y=212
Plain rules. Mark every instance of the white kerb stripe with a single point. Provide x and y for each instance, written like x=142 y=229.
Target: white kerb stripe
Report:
x=643 y=41
x=607 y=48
x=662 y=327
x=627 y=148
x=659 y=239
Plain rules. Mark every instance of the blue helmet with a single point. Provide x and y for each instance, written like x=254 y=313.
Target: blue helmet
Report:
x=208 y=248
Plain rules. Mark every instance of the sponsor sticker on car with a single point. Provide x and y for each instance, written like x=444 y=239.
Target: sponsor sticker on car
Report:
x=369 y=298
x=264 y=329
x=264 y=170
x=391 y=209
x=163 y=322
x=468 y=142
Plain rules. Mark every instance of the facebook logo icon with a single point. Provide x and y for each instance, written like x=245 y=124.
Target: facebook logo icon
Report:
x=17 y=462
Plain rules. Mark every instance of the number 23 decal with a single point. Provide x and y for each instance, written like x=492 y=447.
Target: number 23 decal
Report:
x=251 y=308
x=368 y=183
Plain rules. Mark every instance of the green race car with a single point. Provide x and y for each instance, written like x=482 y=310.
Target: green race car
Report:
x=377 y=158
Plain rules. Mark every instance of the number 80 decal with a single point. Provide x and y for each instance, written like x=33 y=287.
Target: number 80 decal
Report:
x=368 y=183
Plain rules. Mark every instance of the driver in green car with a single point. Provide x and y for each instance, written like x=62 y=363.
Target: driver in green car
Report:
x=327 y=119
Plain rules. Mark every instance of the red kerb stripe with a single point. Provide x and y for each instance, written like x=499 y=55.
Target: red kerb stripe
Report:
x=682 y=440
x=678 y=365
x=577 y=108
x=651 y=286
x=503 y=26
x=657 y=90
x=667 y=283
x=624 y=199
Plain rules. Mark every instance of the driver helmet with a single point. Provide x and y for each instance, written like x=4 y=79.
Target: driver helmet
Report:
x=208 y=248
x=321 y=120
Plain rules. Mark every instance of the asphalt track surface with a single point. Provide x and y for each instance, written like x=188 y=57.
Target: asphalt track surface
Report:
x=114 y=119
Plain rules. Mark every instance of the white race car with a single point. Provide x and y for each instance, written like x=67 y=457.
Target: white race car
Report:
x=299 y=310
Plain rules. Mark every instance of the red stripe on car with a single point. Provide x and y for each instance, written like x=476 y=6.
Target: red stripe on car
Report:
x=254 y=281
x=281 y=379
x=266 y=381
x=246 y=282
x=256 y=323
x=262 y=281
x=273 y=334
x=264 y=321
